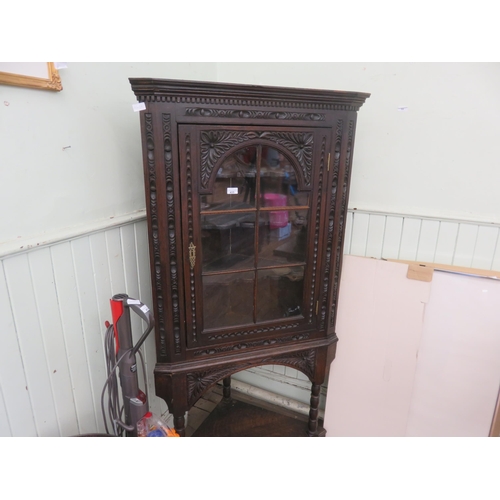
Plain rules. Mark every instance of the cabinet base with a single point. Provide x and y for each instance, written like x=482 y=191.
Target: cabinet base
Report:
x=243 y=416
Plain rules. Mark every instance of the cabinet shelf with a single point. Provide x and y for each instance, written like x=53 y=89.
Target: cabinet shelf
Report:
x=245 y=416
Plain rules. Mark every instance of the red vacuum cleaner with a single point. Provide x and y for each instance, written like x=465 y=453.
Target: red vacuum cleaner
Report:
x=132 y=415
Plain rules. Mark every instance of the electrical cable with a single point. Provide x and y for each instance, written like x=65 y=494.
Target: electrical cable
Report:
x=111 y=383
x=144 y=375
x=114 y=410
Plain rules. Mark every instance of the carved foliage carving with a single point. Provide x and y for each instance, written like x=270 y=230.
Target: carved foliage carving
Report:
x=299 y=144
x=247 y=113
x=304 y=361
x=199 y=382
x=215 y=143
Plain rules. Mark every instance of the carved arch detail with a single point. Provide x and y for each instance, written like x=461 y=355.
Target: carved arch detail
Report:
x=201 y=381
x=215 y=144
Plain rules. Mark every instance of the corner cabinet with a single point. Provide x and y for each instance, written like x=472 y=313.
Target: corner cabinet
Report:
x=246 y=193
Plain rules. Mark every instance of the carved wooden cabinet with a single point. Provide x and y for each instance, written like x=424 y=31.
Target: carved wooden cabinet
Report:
x=246 y=193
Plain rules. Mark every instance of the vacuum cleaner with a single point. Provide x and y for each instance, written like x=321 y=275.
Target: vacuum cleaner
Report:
x=131 y=416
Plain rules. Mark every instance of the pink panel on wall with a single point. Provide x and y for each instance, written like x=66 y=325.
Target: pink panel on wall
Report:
x=379 y=323
x=414 y=358
x=458 y=370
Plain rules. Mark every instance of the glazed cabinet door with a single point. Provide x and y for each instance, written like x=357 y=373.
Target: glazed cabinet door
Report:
x=253 y=219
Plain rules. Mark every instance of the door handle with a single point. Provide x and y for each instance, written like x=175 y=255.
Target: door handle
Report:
x=192 y=255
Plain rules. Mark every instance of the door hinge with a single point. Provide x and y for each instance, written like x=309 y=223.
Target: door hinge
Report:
x=328 y=162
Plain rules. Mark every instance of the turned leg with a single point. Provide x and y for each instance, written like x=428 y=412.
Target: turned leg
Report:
x=179 y=425
x=226 y=390
x=314 y=410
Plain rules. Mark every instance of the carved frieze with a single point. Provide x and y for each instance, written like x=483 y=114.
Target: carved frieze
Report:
x=255 y=343
x=274 y=103
x=248 y=113
x=198 y=382
x=252 y=331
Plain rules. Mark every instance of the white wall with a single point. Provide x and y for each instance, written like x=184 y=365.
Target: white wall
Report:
x=440 y=158
x=45 y=190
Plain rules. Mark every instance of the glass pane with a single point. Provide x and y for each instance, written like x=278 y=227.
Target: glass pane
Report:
x=234 y=185
x=228 y=241
x=283 y=238
x=228 y=299
x=279 y=293
x=278 y=182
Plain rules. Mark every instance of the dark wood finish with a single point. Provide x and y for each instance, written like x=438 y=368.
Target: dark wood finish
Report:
x=227 y=387
x=269 y=275
x=244 y=416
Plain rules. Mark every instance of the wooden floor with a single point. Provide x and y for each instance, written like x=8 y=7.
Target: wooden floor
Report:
x=202 y=409
x=243 y=416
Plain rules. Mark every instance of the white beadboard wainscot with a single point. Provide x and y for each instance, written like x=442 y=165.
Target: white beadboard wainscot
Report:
x=54 y=301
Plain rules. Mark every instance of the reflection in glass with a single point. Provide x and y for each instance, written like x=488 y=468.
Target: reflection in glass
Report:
x=253 y=207
x=234 y=186
x=279 y=293
x=228 y=241
x=228 y=299
x=284 y=244
x=278 y=181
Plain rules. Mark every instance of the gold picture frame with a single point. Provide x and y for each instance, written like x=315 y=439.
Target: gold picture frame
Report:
x=52 y=81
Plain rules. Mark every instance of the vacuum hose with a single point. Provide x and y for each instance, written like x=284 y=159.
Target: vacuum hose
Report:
x=120 y=353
